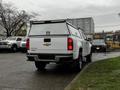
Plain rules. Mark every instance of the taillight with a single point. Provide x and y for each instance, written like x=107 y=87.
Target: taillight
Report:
x=28 y=44
x=70 y=44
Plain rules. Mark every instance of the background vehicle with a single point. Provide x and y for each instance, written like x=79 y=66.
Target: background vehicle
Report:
x=111 y=38
x=57 y=41
x=11 y=43
x=99 y=45
x=23 y=45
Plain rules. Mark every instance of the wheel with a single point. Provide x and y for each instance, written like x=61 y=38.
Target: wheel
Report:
x=14 y=48
x=79 y=63
x=89 y=58
x=40 y=65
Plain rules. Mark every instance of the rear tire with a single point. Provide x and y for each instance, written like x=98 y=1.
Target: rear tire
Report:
x=79 y=63
x=40 y=65
x=89 y=58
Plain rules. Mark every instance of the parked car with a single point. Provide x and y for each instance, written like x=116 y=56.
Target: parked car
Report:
x=99 y=45
x=11 y=43
x=59 y=42
x=23 y=45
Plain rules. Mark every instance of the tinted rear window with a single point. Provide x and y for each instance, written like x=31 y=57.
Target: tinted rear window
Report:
x=11 y=38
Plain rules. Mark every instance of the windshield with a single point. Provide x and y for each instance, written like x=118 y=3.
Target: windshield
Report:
x=24 y=40
x=11 y=38
x=98 y=42
x=49 y=29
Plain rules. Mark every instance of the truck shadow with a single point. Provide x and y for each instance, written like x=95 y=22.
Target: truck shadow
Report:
x=58 y=69
x=56 y=77
x=6 y=51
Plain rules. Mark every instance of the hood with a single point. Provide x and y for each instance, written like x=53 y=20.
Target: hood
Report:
x=101 y=44
x=6 y=41
x=3 y=41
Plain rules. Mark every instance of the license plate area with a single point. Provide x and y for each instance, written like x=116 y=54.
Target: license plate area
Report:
x=46 y=56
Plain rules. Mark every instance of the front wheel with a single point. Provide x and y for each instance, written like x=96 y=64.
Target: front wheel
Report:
x=14 y=48
x=40 y=65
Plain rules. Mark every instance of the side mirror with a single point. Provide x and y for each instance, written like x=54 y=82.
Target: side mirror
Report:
x=19 y=39
x=88 y=39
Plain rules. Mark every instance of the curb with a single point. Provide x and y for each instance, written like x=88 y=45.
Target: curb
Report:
x=68 y=87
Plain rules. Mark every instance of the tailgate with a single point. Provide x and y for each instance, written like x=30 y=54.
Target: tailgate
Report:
x=49 y=44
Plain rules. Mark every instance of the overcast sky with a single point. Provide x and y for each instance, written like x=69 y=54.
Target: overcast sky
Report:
x=104 y=12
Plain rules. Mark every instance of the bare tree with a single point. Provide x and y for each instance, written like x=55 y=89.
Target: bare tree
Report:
x=12 y=19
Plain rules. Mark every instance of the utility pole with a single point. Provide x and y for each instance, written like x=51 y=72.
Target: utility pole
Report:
x=0 y=1
x=0 y=6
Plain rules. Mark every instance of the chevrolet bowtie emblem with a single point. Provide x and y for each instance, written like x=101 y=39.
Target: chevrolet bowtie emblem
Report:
x=47 y=44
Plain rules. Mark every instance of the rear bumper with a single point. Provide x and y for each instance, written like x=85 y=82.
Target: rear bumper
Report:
x=50 y=57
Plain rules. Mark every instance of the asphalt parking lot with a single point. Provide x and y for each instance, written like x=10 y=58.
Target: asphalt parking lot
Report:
x=18 y=74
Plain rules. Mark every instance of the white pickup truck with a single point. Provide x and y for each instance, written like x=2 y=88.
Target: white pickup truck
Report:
x=59 y=42
x=12 y=43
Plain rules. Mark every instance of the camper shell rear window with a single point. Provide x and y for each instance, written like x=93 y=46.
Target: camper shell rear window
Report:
x=39 y=29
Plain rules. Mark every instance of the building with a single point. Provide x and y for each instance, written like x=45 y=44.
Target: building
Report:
x=85 y=24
